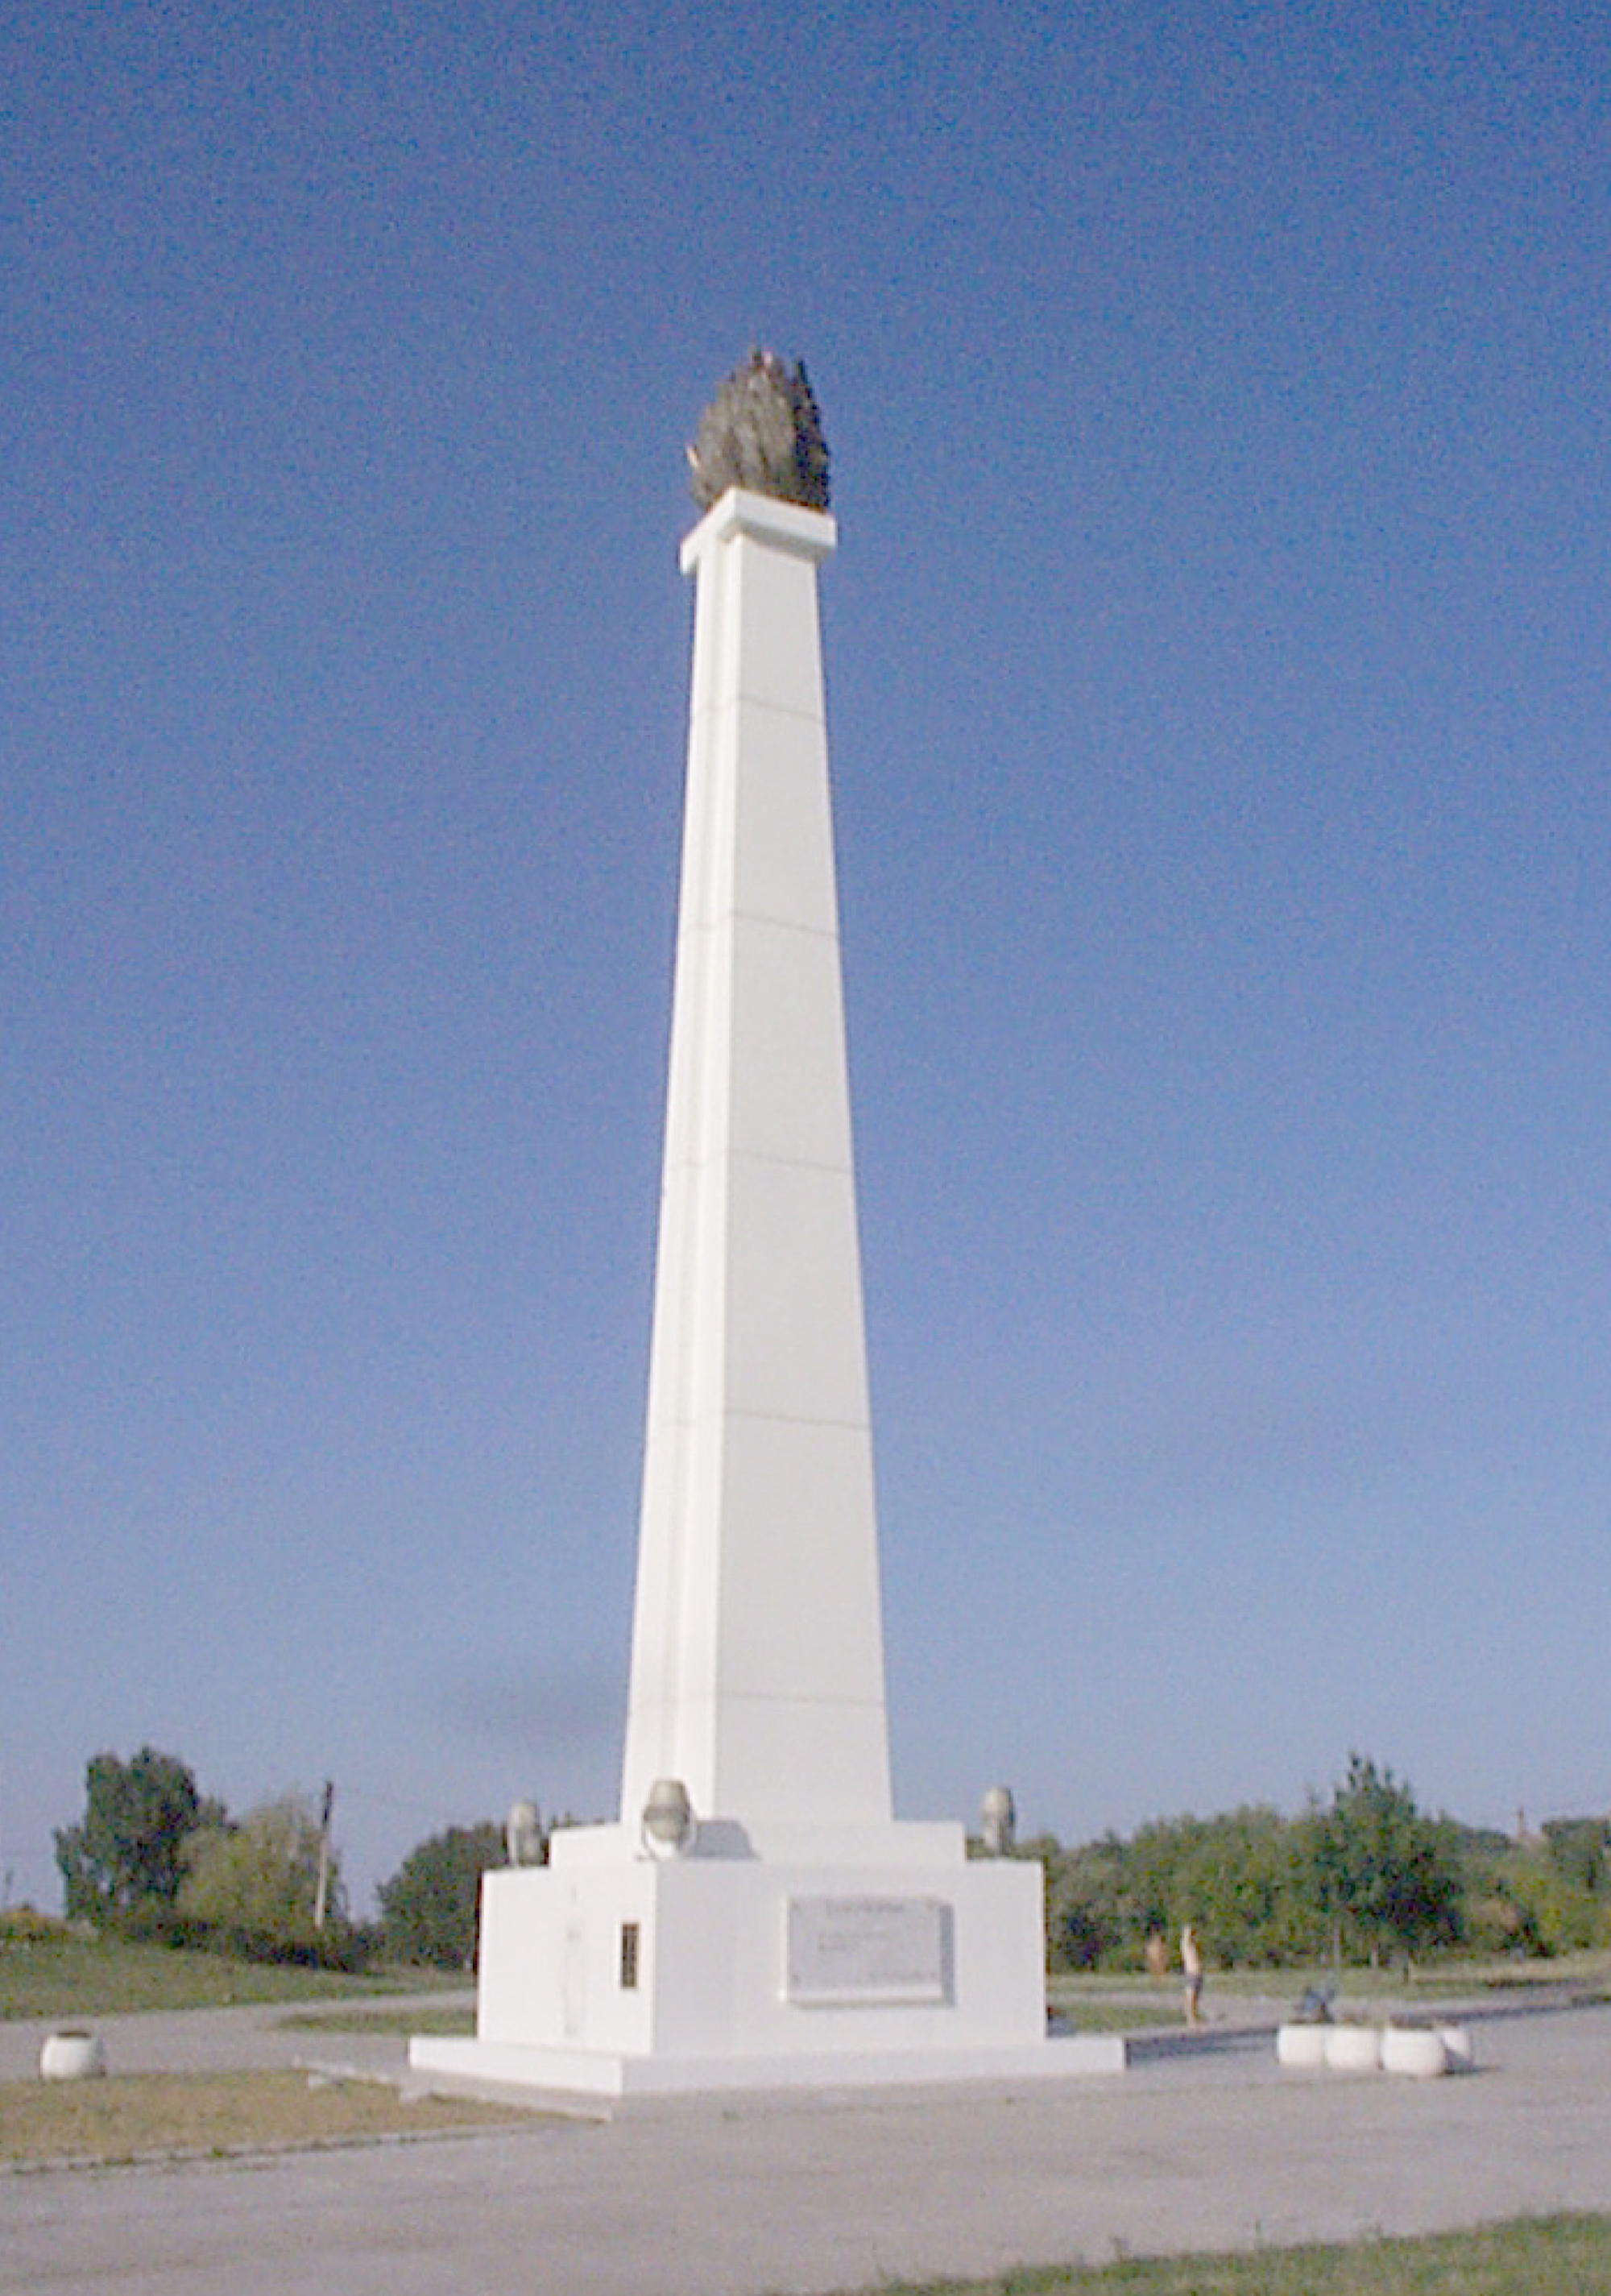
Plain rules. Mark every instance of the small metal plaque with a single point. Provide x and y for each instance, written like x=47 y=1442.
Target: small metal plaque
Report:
x=856 y=1950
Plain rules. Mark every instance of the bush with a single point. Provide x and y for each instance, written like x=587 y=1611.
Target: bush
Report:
x=252 y=1887
x=22 y=1925
x=1263 y=1890
x=1555 y=1911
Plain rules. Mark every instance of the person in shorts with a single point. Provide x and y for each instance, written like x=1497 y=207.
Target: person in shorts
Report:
x=1191 y=1963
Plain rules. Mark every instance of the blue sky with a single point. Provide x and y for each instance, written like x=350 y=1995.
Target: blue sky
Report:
x=1219 y=658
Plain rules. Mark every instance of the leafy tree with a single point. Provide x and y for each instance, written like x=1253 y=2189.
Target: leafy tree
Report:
x=1150 y=1894
x=127 y=1855
x=1493 y=1917
x=1248 y=1879
x=1368 y=1873
x=1390 y=1878
x=1558 y=1910
x=1579 y=1849
x=1086 y=1926
x=253 y=1884
x=428 y=1907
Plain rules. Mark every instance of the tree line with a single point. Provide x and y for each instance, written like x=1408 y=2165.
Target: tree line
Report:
x=153 y=1858
x=1366 y=1877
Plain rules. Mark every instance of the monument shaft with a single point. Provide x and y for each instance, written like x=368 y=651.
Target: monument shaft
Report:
x=757 y=1917
x=758 y=1672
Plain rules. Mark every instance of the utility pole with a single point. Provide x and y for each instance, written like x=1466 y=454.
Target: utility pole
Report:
x=322 y=1887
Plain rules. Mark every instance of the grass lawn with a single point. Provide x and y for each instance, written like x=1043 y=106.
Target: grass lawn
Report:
x=1588 y=1975
x=1090 y=2013
x=1591 y=1971
x=127 y=2115
x=64 y=1975
x=357 y=2017
x=69 y=1976
x=1536 y=2256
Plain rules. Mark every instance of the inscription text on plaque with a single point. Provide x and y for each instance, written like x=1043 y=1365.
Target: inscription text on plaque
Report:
x=849 y=1950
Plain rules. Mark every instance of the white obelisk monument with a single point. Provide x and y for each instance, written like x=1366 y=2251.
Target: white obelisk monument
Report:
x=757 y=1917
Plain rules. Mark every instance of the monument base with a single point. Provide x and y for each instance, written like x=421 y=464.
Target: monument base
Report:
x=614 y=1974
x=472 y=2068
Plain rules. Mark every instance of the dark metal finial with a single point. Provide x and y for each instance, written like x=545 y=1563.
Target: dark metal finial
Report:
x=762 y=430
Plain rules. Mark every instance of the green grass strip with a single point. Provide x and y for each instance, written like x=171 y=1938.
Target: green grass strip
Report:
x=1533 y=2255
x=67 y=1976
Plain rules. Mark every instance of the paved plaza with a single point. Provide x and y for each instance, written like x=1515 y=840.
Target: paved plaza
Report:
x=1213 y=2147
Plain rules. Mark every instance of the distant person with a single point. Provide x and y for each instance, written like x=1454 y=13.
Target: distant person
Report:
x=1191 y=1963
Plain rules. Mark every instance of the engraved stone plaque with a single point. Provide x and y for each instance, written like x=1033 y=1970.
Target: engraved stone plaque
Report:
x=852 y=1950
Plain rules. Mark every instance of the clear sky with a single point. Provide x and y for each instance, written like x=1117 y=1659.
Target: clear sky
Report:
x=1219 y=662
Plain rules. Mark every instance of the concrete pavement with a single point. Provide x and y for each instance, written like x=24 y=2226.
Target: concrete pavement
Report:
x=1211 y=2149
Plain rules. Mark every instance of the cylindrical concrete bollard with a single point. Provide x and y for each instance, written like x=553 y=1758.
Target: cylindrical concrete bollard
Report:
x=1352 y=2048
x=1301 y=2045
x=1456 y=2040
x=1414 y=2051
x=71 y=2057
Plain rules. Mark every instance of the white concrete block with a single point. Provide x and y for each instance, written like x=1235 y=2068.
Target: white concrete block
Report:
x=716 y=1998
x=791 y=527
